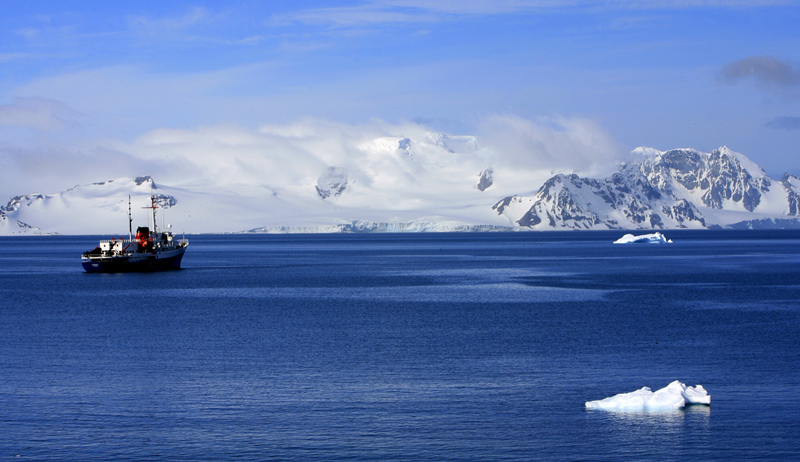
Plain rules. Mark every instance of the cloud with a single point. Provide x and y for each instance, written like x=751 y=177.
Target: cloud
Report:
x=556 y=143
x=289 y=159
x=9 y=57
x=415 y=11
x=784 y=123
x=418 y=11
x=192 y=17
x=765 y=70
x=39 y=113
x=673 y=4
x=394 y=167
x=48 y=168
x=351 y=16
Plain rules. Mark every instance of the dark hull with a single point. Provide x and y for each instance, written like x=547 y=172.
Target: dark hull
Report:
x=138 y=263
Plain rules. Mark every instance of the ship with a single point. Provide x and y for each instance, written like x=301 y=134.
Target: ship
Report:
x=148 y=250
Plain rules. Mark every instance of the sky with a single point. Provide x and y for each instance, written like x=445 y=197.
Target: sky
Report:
x=85 y=87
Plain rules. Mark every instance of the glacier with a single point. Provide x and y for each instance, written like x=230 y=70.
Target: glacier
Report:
x=674 y=396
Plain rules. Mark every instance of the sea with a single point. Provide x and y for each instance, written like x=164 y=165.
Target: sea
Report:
x=402 y=347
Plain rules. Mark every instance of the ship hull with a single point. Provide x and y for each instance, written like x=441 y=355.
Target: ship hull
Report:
x=137 y=262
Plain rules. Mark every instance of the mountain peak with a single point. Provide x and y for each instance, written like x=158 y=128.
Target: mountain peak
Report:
x=663 y=189
x=401 y=179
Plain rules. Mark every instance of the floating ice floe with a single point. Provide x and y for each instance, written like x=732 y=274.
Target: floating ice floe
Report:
x=672 y=397
x=655 y=238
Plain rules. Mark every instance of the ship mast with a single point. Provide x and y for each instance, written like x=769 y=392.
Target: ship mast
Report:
x=130 y=220
x=154 y=207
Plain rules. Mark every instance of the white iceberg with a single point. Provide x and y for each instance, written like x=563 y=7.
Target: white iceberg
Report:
x=655 y=238
x=674 y=396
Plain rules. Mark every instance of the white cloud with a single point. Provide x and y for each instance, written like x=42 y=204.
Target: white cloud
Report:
x=290 y=158
x=420 y=11
x=351 y=16
x=9 y=57
x=556 y=143
x=163 y=24
x=392 y=169
x=37 y=113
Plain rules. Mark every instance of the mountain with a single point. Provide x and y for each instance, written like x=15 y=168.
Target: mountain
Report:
x=431 y=183
x=680 y=188
x=9 y=226
x=384 y=183
x=80 y=209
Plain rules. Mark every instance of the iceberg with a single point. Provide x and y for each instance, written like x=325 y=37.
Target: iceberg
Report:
x=655 y=238
x=674 y=396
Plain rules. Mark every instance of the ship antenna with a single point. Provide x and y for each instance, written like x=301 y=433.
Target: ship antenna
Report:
x=154 y=207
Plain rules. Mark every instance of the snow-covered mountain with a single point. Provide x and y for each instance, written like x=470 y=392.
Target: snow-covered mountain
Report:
x=680 y=188
x=10 y=226
x=432 y=182
x=75 y=210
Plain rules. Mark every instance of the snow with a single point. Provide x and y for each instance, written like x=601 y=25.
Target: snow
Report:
x=643 y=151
x=655 y=238
x=752 y=168
x=394 y=178
x=674 y=396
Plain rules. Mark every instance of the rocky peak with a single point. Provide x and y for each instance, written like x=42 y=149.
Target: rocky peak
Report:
x=791 y=184
x=485 y=179
x=17 y=201
x=145 y=180
x=720 y=176
x=663 y=189
x=332 y=183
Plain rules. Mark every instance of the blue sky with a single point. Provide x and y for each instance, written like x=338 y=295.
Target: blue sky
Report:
x=75 y=76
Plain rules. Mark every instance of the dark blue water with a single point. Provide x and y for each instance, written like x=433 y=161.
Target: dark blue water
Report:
x=468 y=347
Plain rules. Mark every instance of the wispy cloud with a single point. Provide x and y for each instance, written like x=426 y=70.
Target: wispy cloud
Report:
x=39 y=113
x=352 y=16
x=417 y=11
x=671 y=4
x=190 y=18
x=414 y=11
x=9 y=57
x=784 y=123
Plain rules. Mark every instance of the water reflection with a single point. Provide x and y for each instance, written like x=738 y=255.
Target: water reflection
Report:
x=643 y=434
x=695 y=414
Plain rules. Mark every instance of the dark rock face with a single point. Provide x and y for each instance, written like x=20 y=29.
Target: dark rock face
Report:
x=486 y=179
x=655 y=192
x=4 y=220
x=726 y=179
x=164 y=201
x=332 y=183
x=18 y=201
x=140 y=180
x=720 y=175
x=500 y=207
x=683 y=211
x=794 y=197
